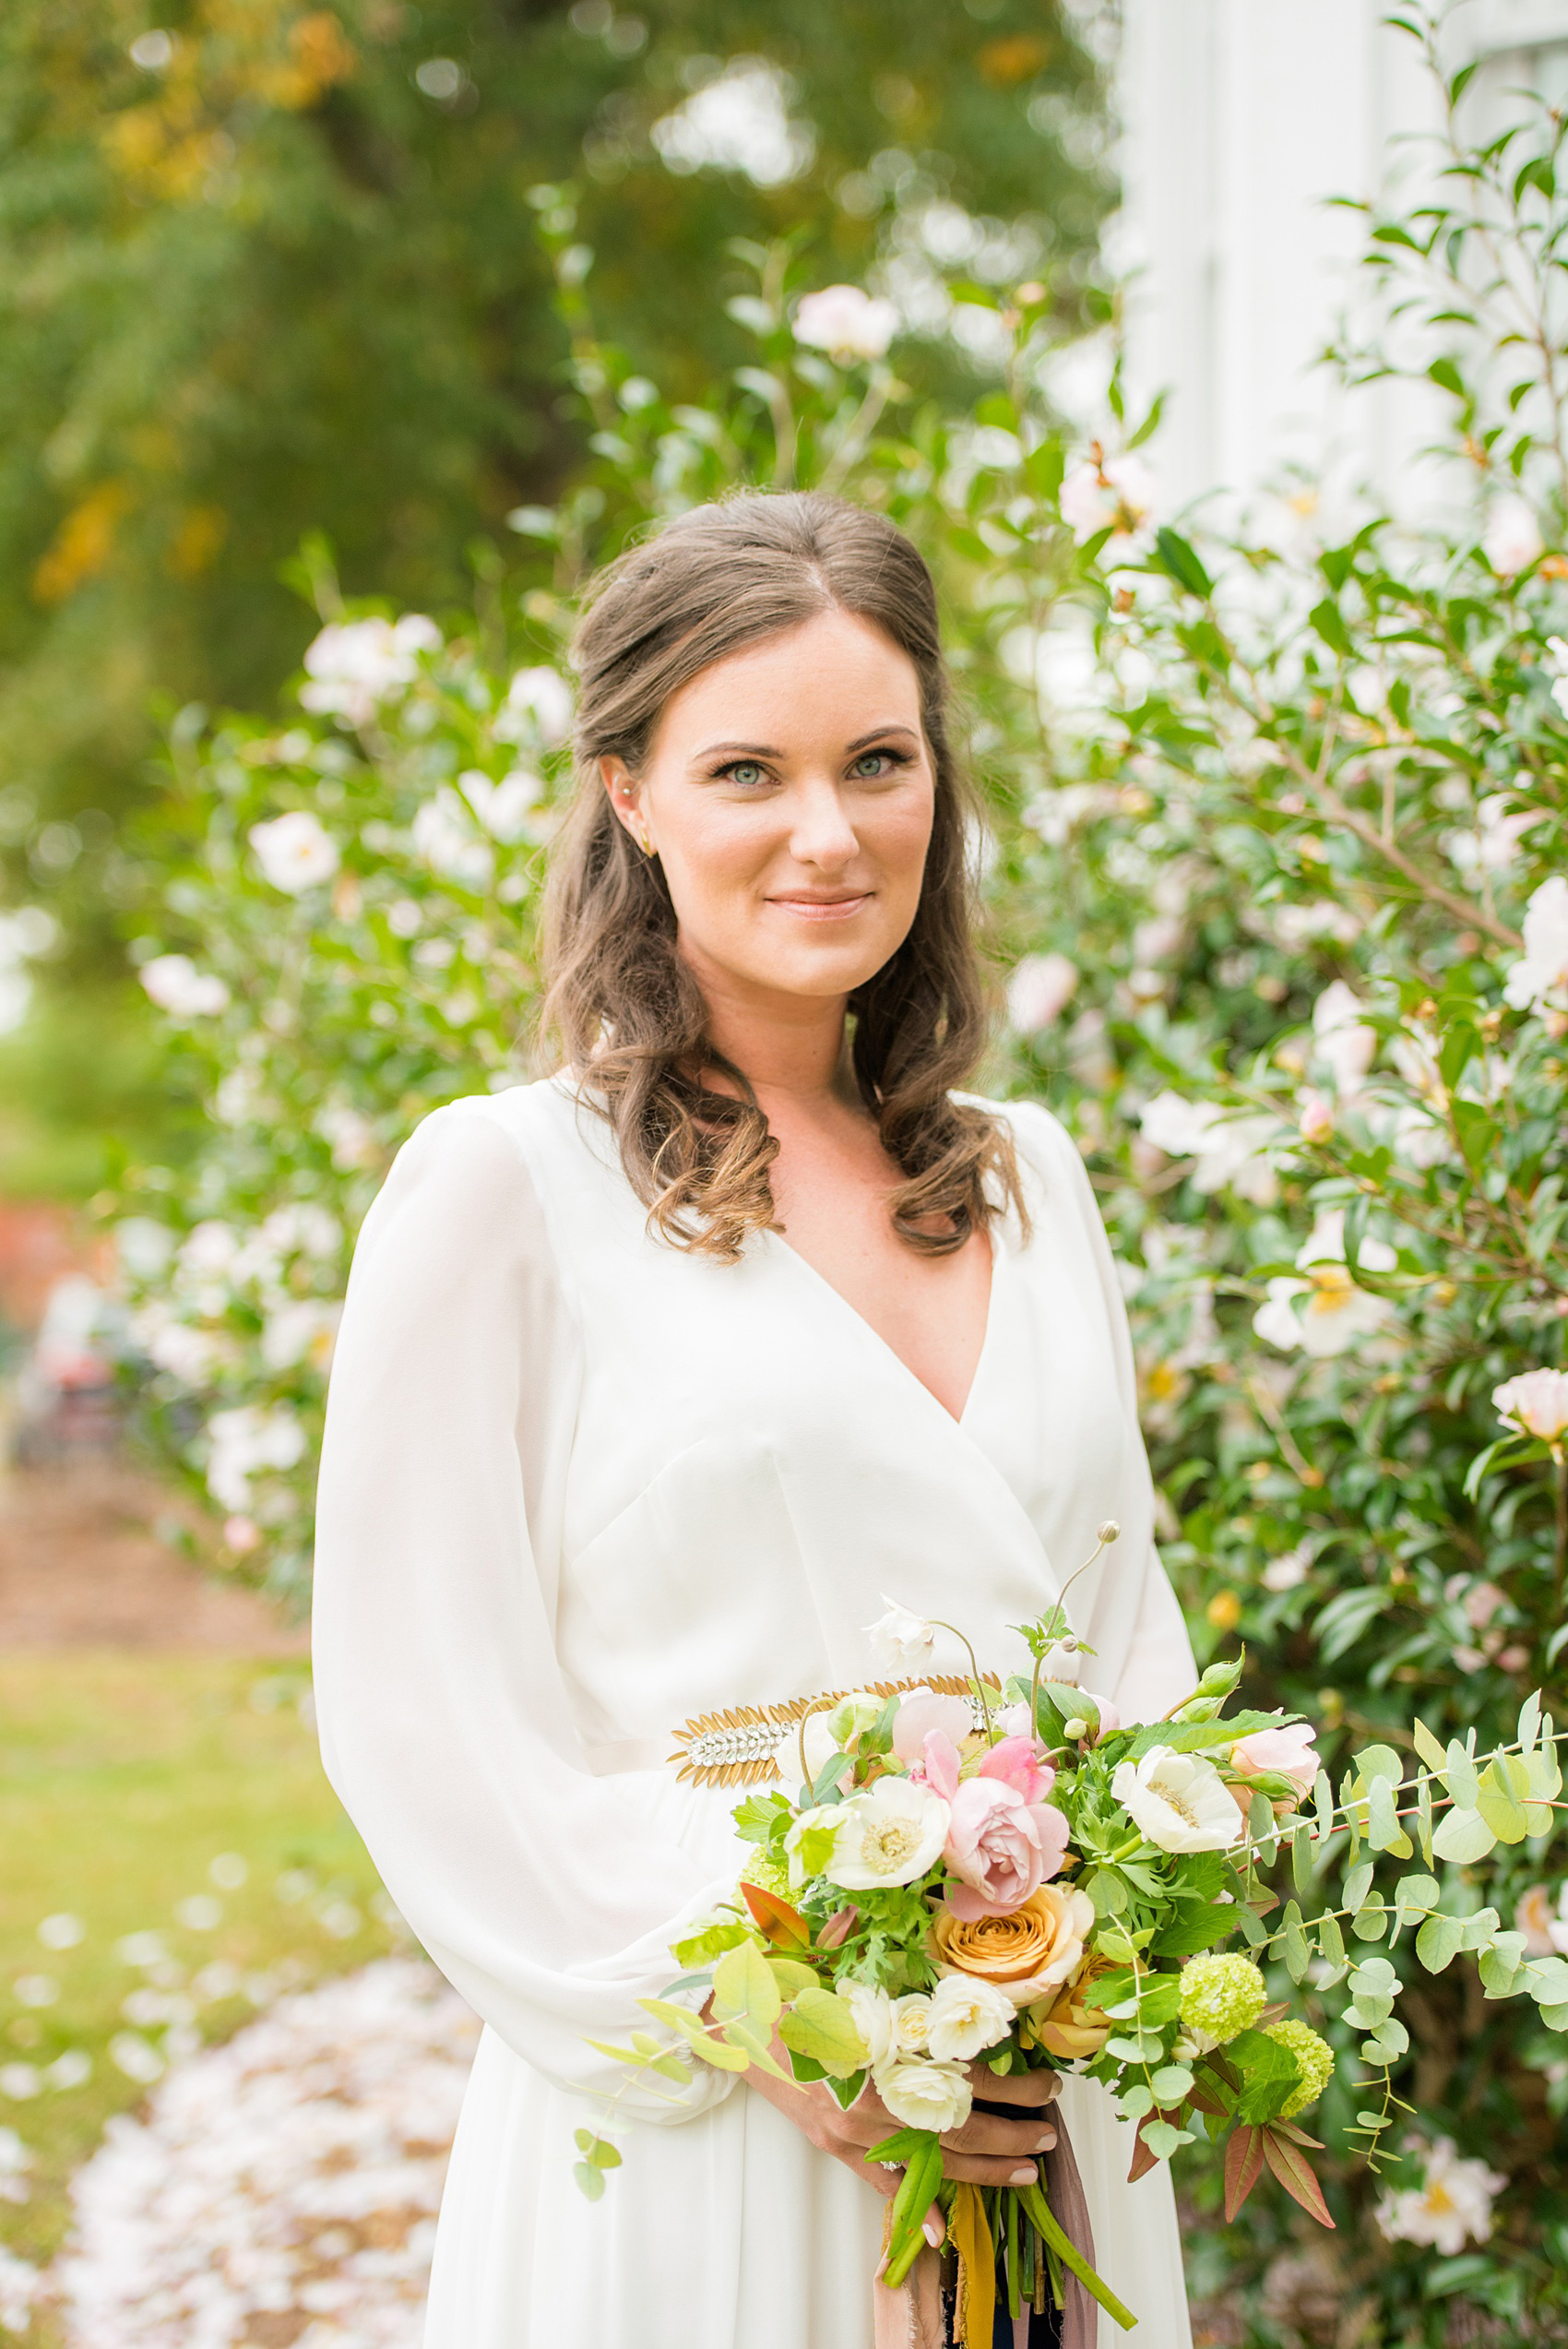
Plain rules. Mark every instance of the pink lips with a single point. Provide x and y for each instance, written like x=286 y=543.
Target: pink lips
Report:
x=822 y=908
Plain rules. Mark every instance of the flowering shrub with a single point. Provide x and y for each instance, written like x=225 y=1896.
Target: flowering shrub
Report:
x=1277 y=854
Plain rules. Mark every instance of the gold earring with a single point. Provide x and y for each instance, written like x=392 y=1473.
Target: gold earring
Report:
x=643 y=840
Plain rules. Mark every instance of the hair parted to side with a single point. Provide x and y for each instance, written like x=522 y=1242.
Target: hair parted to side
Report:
x=629 y=1016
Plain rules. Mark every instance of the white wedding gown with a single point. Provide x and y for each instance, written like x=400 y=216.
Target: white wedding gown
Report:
x=578 y=1486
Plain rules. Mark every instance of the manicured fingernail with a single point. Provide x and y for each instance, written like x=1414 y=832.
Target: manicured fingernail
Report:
x=932 y=2232
x=1023 y=2177
x=1047 y=2140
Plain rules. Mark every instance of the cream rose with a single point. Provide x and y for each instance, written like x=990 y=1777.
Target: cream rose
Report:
x=1031 y=1951
x=926 y=2095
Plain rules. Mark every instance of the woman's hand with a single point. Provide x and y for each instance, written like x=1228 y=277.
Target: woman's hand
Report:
x=988 y=2149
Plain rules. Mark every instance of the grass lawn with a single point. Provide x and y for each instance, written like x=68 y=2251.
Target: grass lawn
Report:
x=123 y=1778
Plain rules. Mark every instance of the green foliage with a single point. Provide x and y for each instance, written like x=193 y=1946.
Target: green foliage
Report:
x=275 y=271
x=1278 y=839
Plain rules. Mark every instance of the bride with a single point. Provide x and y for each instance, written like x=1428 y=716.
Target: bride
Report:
x=655 y=1375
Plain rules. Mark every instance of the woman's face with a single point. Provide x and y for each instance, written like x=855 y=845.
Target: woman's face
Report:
x=789 y=795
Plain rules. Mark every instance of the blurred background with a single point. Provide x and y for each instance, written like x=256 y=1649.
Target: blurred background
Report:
x=340 y=343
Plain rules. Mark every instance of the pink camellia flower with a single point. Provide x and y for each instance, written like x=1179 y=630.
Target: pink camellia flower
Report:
x=1292 y=1753
x=999 y=1847
x=1013 y=1761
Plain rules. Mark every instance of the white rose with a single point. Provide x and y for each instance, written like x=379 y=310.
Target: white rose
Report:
x=873 y=2011
x=1180 y=1801
x=911 y=2024
x=900 y=1638
x=926 y=2095
x=891 y=1834
x=294 y=852
x=967 y=2015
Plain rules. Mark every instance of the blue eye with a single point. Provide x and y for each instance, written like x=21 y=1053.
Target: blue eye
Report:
x=873 y=763
x=745 y=772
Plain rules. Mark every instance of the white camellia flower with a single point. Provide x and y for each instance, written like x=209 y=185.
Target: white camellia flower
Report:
x=176 y=985
x=294 y=852
x=354 y=665
x=304 y=1330
x=873 y=2011
x=189 y=1355
x=1108 y=492
x=1040 y=991
x=1537 y=1402
x=1512 y=540
x=1453 y=2205
x=1494 y=846
x=246 y=1440
x=1230 y=1152
x=900 y=1638
x=967 y=2015
x=445 y=835
x=1341 y=1038
x=1180 y=1801
x=927 y=2095
x=890 y=1834
x=910 y=2025
x=538 y=708
x=1336 y=1312
x=845 y=321
x=1543 y=969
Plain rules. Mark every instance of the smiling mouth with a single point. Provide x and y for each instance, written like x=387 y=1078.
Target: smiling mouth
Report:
x=823 y=908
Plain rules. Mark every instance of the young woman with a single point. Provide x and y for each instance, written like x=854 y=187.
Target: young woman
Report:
x=656 y=1374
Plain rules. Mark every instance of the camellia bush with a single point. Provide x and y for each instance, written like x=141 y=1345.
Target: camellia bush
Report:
x=1278 y=871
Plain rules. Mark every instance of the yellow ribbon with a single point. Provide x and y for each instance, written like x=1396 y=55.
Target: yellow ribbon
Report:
x=977 y=2268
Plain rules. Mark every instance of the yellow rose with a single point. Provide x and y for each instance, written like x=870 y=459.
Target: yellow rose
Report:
x=1073 y=2025
x=1027 y=1953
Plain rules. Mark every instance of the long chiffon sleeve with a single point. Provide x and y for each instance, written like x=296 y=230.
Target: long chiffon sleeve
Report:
x=548 y=1895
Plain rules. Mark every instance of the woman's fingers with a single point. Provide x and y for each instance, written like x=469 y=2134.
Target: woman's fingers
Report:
x=989 y=2133
x=973 y=2169
x=1015 y=2087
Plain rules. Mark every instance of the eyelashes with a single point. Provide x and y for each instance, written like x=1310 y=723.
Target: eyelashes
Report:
x=893 y=758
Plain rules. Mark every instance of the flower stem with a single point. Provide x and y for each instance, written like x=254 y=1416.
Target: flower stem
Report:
x=974 y=1663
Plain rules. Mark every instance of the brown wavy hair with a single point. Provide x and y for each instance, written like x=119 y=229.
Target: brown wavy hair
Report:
x=622 y=1005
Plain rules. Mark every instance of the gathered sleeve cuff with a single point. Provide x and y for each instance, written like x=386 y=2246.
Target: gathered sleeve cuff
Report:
x=546 y=1893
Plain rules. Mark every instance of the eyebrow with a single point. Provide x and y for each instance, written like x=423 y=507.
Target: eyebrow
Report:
x=771 y=750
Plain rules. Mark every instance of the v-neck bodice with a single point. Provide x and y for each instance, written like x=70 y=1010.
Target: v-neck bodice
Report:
x=886 y=1344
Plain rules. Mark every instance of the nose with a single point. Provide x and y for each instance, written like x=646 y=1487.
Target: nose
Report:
x=822 y=833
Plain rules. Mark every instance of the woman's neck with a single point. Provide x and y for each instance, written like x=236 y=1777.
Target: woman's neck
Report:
x=788 y=1047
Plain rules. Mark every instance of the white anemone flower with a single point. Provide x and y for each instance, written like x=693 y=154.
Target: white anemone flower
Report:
x=926 y=2095
x=967 y=2015
x=890 y=1834
x=1180 y=1801
x=294 y=851
x=899 y=1637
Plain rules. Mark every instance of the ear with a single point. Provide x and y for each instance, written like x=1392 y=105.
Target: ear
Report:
x=626 y=797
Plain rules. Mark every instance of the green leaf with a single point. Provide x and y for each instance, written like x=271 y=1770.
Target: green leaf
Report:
x=1176 y=558
x=790 y=1976
x=1464 y=1781
x=1463 y=1837
x=589 y=2181
x=1171 y=2083
x=1162 y=2140
x=744 y=1989
x=1498 y=1801
x=1324 y=618
x=820 y=2025
x=1438 y=1942
x=1330 y=1941
x=1297 y=1953
x=1430 y=1752
x=1301 y=1859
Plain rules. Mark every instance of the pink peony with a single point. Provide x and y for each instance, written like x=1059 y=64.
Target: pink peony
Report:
x=1014 y=1762
x=1292 y=1753
x=1001 y=1848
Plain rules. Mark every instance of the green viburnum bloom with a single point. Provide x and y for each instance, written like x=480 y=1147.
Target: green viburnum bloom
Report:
x=762 y=1871
x=1222 y=1993
x=1314 y=2061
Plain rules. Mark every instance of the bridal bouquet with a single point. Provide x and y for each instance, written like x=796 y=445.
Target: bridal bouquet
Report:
x=973 y=1877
